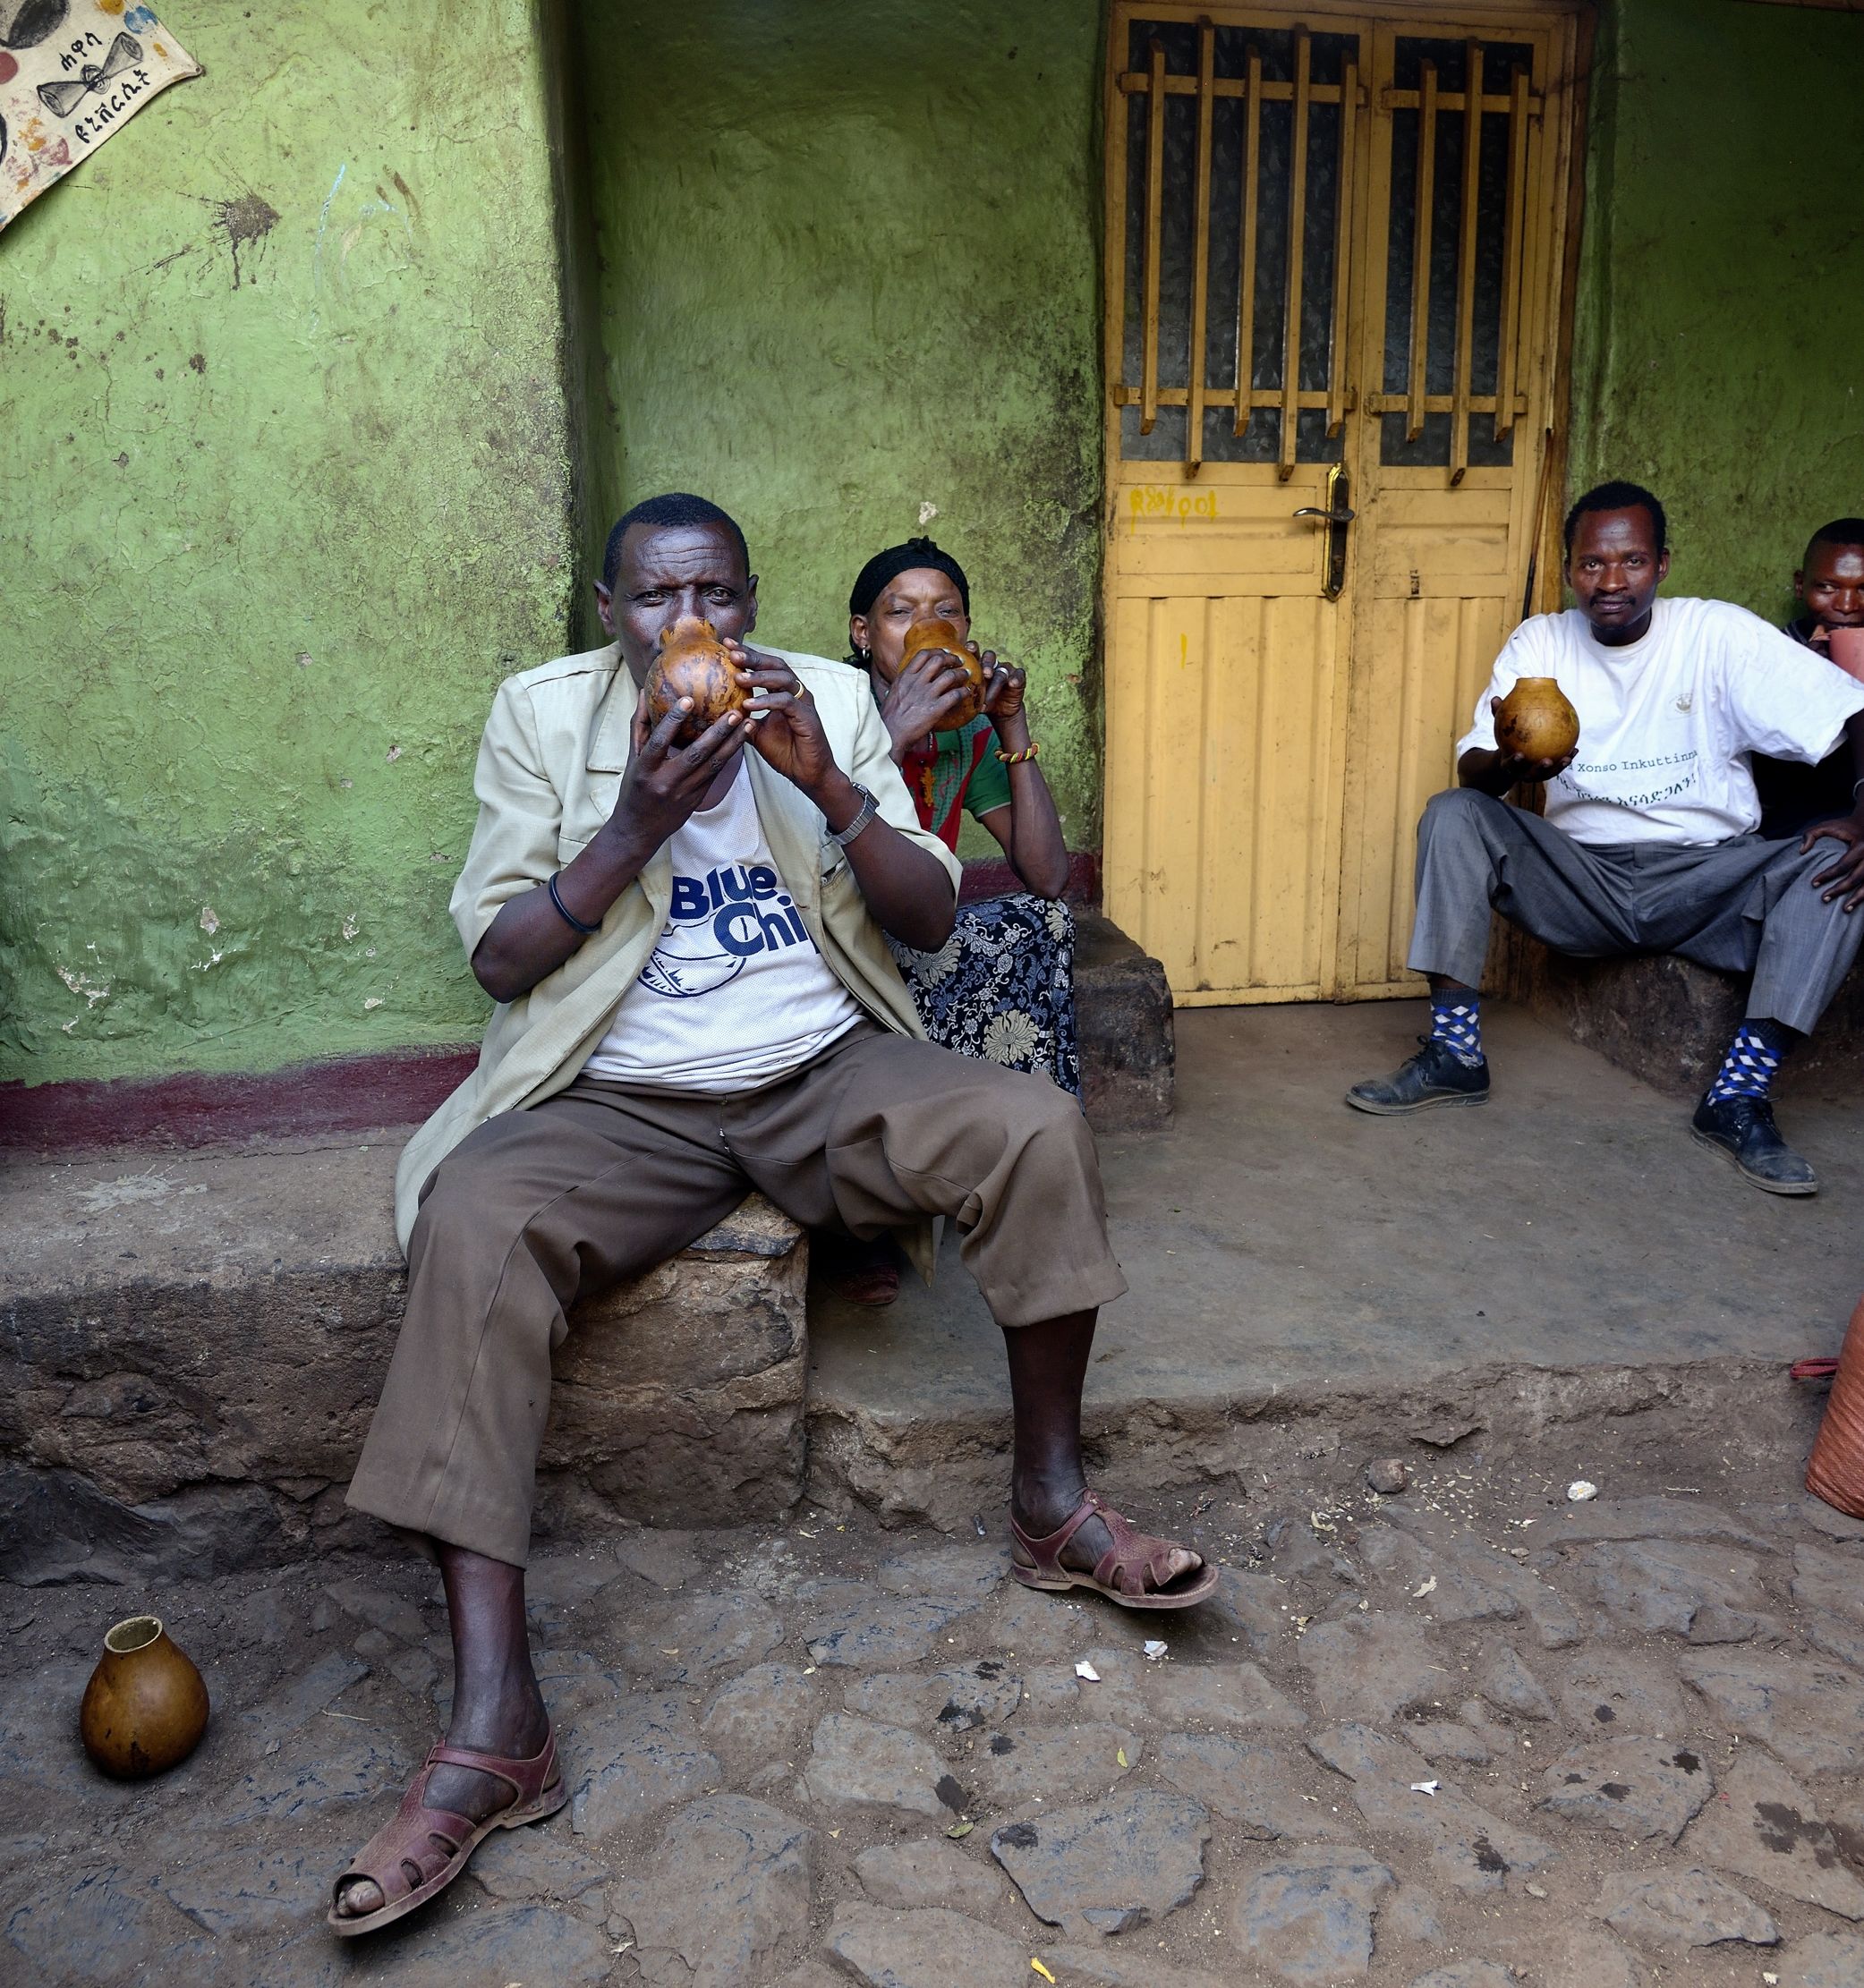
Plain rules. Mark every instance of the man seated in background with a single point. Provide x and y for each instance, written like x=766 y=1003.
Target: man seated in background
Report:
x=1829 y=586
x=1648 y=842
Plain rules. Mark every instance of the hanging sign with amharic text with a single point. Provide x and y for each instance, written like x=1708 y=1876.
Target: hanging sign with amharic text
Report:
x=72 y=73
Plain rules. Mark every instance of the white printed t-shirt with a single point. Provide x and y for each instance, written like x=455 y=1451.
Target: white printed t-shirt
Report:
x=1666 y=723
x=734 y=993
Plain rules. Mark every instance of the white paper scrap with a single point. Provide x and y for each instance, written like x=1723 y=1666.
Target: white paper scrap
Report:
x=1085 y=1669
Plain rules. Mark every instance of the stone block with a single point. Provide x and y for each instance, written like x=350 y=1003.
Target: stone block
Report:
x=1123 y=1021
x=727 y=1894
x=680 y=1395
x=1664 y=1019
x=1308 y=1917
x=1108 y=1868
x=191 y=1346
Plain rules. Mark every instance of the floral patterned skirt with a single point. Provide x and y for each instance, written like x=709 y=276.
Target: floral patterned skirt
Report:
x=1001 y=987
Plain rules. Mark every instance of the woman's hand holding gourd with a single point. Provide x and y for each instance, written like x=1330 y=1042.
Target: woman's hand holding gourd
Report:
x=1004 y=689
x=932 y=686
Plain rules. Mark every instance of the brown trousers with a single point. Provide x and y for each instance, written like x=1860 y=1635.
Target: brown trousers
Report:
x=538 y=1207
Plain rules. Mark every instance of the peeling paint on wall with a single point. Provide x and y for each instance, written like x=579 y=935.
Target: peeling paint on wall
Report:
x=281 y=526
x=1715 y=361
x=849 y=284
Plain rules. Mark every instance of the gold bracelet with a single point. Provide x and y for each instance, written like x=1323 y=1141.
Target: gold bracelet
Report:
x=1016 y=759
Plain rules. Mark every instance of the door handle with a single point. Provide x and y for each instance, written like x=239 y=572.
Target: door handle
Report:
x=1336 y=514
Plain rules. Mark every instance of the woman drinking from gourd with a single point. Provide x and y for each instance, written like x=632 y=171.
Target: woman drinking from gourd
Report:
x=1001 y=989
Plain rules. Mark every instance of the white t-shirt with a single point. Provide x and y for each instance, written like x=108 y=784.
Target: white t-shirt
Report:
x=734 y=993
x=1666 y=723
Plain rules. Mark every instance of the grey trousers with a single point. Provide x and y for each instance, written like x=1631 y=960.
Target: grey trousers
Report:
x=1745 y=905
x=538 y=1207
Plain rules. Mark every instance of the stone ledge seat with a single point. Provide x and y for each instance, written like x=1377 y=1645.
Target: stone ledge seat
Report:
x=1667 y=1020
x=192 y=1342
x=191 y=1350
x=1123 y=1021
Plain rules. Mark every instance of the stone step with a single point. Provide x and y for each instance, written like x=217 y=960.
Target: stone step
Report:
x=190 y=1344
x=192 y=1347
x=1667 y=1020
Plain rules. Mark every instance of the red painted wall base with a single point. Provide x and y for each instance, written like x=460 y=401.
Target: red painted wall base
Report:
x=341 y=1094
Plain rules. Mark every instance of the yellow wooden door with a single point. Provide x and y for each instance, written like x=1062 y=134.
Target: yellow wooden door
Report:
x=1323 y=209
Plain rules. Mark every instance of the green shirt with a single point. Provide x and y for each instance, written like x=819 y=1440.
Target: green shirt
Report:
x=962 y=770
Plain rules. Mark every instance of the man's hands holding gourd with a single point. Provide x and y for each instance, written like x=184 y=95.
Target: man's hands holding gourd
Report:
x=666 y=782
x=1511 y=767
x=785 y=729
x=1490 y=770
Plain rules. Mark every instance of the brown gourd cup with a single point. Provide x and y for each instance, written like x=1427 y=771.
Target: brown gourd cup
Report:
x=692 y=662
x=145 y=1707
x=941 y=635
x=1535 y=721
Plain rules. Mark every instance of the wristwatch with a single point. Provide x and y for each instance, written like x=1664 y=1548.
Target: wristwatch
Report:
x=869 y=808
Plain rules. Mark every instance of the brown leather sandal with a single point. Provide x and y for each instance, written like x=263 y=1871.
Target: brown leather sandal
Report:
x=435 y=1844
x=1130 y=1572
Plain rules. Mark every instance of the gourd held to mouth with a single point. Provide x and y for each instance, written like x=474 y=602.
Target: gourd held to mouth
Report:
x=693 y=662
x=943 y=636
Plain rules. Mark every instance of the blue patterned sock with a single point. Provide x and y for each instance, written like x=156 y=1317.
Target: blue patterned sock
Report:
x=1456 y=1022
x=1753 y=1060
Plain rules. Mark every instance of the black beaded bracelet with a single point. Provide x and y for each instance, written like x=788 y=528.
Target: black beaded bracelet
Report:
x=557 y=899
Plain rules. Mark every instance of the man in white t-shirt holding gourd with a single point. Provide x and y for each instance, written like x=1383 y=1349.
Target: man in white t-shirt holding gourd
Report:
x=1648 y=844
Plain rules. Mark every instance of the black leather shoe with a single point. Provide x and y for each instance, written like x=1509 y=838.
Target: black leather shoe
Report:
x=1743 y=1129
x=1434 y=1075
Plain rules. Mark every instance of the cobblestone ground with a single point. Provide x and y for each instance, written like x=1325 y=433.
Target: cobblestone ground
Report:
x=1465 y=1736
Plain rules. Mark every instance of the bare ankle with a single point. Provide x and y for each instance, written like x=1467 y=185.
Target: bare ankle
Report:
x=1043 y=1500
x=503 y=1715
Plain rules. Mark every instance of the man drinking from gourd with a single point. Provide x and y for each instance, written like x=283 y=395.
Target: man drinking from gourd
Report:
x=682 y=925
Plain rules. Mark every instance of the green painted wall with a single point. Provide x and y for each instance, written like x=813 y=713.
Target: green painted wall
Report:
x=285 y=424
x=1719 y=357
x=849 y=271
x=283 y=436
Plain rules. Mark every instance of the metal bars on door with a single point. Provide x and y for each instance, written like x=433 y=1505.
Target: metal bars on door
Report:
x=1252 y=148
x=1430 y=116
x=1186 y=339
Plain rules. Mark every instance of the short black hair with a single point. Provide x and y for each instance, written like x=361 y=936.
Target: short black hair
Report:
x=1841 y=531
x=1617 y=495
x=677 y=507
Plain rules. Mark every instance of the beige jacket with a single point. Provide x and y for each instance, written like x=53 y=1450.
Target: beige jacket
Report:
x=549 y=766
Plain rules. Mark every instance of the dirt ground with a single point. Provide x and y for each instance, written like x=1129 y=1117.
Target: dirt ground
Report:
x=1469 y=1735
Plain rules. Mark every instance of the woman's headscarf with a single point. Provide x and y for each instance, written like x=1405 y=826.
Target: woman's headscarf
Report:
x=898 y=559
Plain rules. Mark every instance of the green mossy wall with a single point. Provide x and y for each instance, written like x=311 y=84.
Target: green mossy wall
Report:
x=284 y=443
x=1717 y=358
x=285 y=437
x=848 y=273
